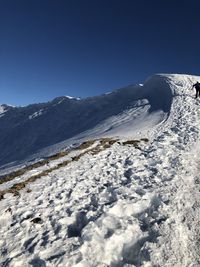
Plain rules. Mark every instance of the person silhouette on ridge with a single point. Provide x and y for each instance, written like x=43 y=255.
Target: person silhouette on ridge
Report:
x=197 y=87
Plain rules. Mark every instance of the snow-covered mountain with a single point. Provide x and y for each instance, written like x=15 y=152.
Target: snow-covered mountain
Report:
x=46 y=128
x=112 y=201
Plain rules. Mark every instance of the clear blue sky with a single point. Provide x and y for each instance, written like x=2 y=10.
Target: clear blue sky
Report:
x=82 y=48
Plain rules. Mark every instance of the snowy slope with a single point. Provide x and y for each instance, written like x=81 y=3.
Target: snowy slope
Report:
x=39 y=130
x=127 y=205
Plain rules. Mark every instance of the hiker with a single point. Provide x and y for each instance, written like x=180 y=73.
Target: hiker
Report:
x=197 y=87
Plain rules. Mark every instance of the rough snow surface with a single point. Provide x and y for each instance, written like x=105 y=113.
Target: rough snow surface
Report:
x=121 y=207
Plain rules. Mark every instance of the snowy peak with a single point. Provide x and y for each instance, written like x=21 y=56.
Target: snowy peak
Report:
x=4 y=108
x=60 y=99
x=72 y=97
